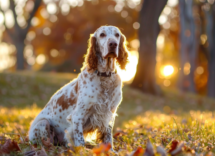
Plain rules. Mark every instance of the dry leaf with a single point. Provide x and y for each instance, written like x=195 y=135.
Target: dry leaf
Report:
x=116 y=134
x=178 y=149
x=9 y=146
x=174 y=145
x=102 y=149
x=139 y=152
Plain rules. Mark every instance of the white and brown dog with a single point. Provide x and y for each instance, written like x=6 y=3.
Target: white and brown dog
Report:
x=88 y=103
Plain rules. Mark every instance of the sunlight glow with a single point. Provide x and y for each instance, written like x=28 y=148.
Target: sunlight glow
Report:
x=166 y=83
x=130 y=69
x=135 y=44
x=168 y=70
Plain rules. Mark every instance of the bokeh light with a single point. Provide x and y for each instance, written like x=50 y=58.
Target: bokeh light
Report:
x=136 y=25
x=4 y=4
x=47 y=31
x=162 y=19
x=187 y=68
x=172 y=3
x=9 y=19
x=54 y=53
x=52 y=8
x=200 y=70
x=41 y=59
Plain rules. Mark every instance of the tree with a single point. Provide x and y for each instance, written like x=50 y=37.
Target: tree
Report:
x=18 y=33
x=188 y=47
x=210 y=28
x=144 y=79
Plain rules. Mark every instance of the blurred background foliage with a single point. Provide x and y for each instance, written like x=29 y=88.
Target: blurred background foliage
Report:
x=52 y=36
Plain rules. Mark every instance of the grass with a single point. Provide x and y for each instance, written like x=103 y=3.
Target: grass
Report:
x=165 y=121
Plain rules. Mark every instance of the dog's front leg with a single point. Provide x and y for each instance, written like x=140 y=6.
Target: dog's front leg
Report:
x=76 y=129
x=106 y=136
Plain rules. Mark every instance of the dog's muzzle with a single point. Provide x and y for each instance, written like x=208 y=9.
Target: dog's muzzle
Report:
x=112 y=50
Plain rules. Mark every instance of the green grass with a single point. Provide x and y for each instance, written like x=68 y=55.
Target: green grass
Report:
x=174 y=116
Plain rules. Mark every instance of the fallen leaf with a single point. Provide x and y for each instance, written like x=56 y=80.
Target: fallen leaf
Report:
x=139 y=152
x=178 y=149
x=116 y=134
x=174 y=145
x=9 y=146
x=102 y=149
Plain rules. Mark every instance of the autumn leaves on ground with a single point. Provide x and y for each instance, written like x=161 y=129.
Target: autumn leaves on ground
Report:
x=174 y=124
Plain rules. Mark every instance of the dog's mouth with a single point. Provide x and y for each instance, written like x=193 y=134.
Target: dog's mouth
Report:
x=111 y=55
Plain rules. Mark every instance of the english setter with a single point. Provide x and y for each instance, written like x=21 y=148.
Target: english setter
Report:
x=88 y=103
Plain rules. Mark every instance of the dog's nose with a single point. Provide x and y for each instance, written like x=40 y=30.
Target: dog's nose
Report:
x=112 y=45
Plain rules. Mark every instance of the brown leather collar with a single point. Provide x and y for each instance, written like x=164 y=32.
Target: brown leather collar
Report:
x=105 y=74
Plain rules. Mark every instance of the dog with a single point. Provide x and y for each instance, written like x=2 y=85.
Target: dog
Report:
x=89 y=103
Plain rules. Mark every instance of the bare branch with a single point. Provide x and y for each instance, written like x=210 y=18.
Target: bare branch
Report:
x=32 y=14
x=18 y=30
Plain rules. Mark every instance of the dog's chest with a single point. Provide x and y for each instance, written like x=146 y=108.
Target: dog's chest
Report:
x=101 y=101
x=107 y=87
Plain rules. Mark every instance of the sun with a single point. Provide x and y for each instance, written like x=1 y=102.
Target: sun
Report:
x=130 y=70
x=168 y=70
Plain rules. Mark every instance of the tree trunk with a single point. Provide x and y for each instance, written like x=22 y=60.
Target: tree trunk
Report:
x=148 y=32
x=210 y=16
x=20 y=45
x=188 y=51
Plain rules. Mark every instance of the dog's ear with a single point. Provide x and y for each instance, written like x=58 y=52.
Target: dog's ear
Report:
x=122 y=58
x=91 y=59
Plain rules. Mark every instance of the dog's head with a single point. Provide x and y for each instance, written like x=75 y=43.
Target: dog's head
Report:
x=106 y=42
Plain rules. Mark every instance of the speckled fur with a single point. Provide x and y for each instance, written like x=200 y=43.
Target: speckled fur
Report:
x=86 y=104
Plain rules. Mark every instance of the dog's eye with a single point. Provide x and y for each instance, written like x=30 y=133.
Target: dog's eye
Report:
x=117 y=35
x=102 y=35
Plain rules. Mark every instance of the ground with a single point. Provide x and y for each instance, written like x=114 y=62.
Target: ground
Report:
x=175 y=121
